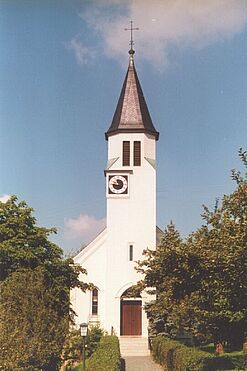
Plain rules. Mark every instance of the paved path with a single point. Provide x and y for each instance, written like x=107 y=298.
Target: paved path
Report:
x=136 y=355
x=141 y=364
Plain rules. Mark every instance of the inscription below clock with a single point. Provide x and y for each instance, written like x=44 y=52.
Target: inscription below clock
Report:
x=118 y=184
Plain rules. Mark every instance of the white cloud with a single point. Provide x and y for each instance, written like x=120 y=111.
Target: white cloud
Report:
x=164 y=24
x=85 y=227
x=83 y=54
x=4 y=198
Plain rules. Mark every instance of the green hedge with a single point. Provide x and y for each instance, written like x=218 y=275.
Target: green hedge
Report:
x=107 y=356
x=190 y=359
x=162 y=351
x=174 y=356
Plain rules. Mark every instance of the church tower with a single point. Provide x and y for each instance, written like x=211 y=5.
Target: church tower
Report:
x=131 y=217
x=130 y=185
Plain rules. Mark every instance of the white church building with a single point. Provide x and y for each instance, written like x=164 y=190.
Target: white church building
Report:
x=110 y=258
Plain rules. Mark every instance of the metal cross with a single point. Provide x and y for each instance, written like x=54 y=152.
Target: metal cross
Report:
x=131 y=29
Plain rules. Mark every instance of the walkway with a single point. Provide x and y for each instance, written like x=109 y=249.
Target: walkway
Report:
x=134 y=351
x=141 y=364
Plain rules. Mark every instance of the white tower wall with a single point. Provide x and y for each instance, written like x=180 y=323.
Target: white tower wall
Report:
x=131 y=220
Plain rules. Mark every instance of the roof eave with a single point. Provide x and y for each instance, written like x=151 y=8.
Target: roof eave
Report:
x=141 y=130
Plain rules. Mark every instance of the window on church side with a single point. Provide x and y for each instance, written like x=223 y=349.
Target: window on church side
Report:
x=131 y=251
x=137 y=153
x=126 y=153
x=95 y=296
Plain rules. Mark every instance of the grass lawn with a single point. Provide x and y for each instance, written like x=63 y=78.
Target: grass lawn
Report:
x=235 y=356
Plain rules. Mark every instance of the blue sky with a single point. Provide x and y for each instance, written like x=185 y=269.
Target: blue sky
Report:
x=61 y=71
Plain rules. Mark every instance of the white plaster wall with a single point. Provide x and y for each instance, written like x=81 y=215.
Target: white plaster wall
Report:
x=93 y=259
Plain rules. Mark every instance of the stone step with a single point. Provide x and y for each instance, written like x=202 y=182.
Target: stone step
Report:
x=133 y=346
x=134 y=354
x=134 y=339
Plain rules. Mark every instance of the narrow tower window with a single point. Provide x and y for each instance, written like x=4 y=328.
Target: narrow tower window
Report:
x=131 y=253
x=137 y=153
x=126 y=153
x=95 y=296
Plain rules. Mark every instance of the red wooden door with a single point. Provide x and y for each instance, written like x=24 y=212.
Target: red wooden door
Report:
x=131 y=317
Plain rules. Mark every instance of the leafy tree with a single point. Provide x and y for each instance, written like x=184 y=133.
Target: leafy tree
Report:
x=172 y=273
x=25 y=247
x=201 y=283
x=222 y=246
x=32 y=330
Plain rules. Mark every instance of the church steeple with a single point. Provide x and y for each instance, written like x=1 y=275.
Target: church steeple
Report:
x=132 y=113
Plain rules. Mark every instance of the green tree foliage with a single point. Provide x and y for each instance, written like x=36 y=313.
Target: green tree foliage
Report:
x=25 y=247
x=201 y=283
x=32 y=330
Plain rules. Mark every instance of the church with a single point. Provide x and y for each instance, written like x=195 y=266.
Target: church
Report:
x=130 y=176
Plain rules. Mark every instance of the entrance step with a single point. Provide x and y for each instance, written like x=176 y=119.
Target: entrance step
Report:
x=133 y=346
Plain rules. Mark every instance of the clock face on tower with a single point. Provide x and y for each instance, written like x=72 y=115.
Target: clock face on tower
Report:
x=118 y=184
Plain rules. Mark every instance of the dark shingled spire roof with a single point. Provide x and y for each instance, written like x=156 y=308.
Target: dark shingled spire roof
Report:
x=132 y=115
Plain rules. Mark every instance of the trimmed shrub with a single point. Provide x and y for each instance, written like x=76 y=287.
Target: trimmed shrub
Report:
x=174 y=356
x=107 y=356
x=223 y=362
x=191 y=359
x=162 y=351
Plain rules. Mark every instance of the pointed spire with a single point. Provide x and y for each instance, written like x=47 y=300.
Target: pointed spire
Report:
x=132 y=113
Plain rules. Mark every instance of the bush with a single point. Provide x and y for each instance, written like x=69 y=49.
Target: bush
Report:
x=95 y=334
x=191 y=359
x=107 y=356
x=74 y=343
x=163 y=349
x=224 y=362
x=173 y=355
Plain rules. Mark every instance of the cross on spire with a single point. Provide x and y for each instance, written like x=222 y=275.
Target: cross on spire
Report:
x=131 y=29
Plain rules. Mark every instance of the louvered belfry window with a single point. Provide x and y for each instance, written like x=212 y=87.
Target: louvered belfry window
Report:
x=137 y=153
x=126 y=153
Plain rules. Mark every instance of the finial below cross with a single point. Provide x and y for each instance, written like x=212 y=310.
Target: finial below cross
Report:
x=131 y=29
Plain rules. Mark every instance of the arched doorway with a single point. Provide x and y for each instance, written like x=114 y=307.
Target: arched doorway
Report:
x=130 y=314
